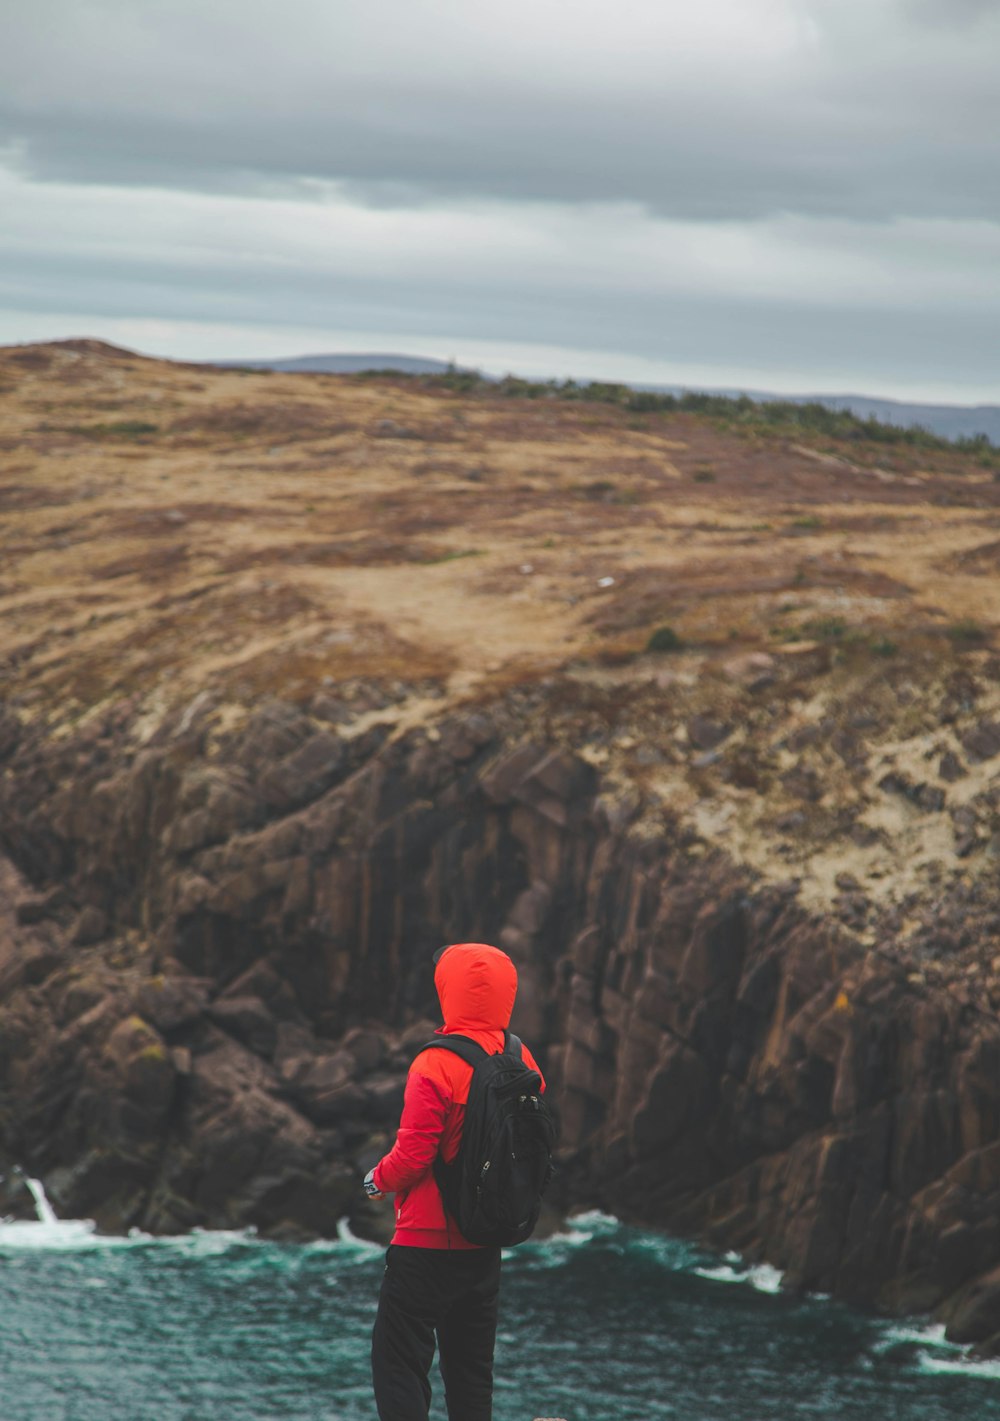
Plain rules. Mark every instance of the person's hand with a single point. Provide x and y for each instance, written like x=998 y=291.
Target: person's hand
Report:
x=371 y=1188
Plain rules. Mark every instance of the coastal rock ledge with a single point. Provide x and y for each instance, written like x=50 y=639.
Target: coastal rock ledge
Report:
x=214 y=970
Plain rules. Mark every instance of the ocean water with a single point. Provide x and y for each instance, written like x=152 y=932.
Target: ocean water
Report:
x=600 y=1323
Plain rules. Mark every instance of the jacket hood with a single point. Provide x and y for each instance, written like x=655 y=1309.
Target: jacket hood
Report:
x=476 y=986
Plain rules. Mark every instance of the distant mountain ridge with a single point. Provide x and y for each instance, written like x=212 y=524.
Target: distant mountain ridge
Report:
x=342 y=364
x=948 y=421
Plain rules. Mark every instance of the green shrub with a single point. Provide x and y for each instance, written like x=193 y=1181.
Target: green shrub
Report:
x=598 y=488
x=118 y=429
x=786 y=634
x=825 y=628
x=966 y=632
x=755 y=418
x=452 y=556
x=664 y=639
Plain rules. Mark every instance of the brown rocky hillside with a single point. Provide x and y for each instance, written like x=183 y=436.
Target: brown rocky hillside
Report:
x=303 y=674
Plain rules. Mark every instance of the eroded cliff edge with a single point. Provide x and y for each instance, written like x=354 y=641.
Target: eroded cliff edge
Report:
x=696 y=713
x=215 y=968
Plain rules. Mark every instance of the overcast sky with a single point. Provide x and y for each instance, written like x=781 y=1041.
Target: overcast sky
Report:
x=797 y=195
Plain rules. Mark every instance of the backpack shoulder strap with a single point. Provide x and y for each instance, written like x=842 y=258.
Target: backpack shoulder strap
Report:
x=469 y=1050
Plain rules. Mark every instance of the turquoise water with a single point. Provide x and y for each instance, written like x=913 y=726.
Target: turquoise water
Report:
x=603 y=1323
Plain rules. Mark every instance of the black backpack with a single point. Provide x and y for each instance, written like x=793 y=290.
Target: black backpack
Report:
x=493 y=1188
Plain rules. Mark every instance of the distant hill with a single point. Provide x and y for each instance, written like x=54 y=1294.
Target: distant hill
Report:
x=948 y=421
x=343 y=364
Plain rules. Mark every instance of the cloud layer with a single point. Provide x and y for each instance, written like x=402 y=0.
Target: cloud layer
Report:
x=755 y=184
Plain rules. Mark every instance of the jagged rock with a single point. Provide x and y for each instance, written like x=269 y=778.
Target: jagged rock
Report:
x=545 y=781
x=329 y=708
x=173 y=1003
x=805 y=735
x=367 y=1047
x=10 y=732
x=982 y=742
x=46 y=905
x=974 y=1316
x=384 y=1097
x=327 y=1091
x=143 y=1065
x=261 y=982
x=705 y=734
x=91 y=926
x=965 y=823
x=82 y=991
x=248 y=1019
x=255 y=1151
x=852 y=908
x=930 y=797
x=213 y=804
x=305 y=774
x=726 y=1064
x=950 y=767
x=461 y=739
x=803 y=782
x=272 y=732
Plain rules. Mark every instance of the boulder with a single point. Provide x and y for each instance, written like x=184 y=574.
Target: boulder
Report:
x=974 y=1314
x=306 y=774
x=706 y=734
x=91 y=926
x=951 y=768
x=982 y=742
x=249 y=1020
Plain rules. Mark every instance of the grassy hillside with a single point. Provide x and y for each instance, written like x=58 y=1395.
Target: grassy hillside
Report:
x=651 y=574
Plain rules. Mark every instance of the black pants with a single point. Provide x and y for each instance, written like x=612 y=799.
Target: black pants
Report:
x=453 y=1293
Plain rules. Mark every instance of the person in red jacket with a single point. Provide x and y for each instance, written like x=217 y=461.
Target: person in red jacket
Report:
x=435 y=1281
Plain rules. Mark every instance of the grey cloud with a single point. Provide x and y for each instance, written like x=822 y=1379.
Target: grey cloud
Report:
x=838 y=110
x=871 y=347
x=688 y=172
x=951 y=12
x=861 y=121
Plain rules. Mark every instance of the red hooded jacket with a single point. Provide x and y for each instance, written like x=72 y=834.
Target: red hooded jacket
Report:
x=476 y=985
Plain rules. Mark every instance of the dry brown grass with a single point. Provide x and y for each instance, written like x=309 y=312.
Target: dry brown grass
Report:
x=214 y=527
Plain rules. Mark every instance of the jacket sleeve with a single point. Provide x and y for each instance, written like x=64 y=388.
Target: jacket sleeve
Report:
x=425 y=1109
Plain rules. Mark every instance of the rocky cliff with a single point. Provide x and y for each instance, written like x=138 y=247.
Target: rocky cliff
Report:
x=750 y=885
x=215 y=983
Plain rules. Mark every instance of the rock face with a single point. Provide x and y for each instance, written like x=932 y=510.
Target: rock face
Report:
x=215 y=968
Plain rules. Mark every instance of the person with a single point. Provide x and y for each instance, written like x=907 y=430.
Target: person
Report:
x=437 y=1283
